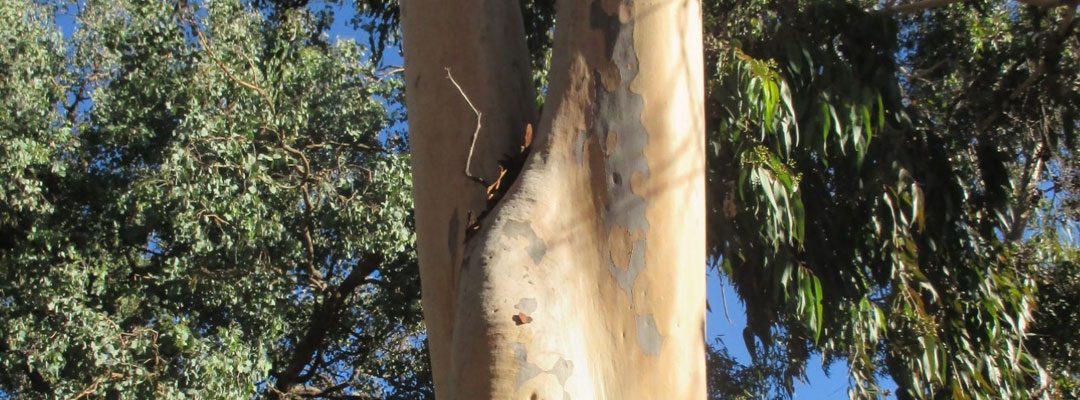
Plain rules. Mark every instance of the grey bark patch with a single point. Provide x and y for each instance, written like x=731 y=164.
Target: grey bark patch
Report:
x=527 y=304
x=648 y=336
x=627 y=277
x=562 y=370
x=526 y=370
x=619 y=112
x=537 y=248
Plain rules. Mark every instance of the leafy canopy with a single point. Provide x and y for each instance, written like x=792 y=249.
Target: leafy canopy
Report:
x=201 y=200
x=872 y=174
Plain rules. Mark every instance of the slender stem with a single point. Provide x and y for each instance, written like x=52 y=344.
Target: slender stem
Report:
x=472 y=146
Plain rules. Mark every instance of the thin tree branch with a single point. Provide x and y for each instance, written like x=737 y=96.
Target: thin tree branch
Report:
x=228 y=73
x=1047 y=3
x=923 y=5
x=472 y=146
x=389 y=73
x=314 y=275
x=1027 y=192
x=917 y=6
x=73 y=108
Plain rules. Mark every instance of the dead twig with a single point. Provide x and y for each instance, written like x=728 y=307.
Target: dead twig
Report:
x=472 y=146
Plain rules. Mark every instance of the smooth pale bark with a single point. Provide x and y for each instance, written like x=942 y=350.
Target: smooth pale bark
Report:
x=483 y=45
x=587 y=281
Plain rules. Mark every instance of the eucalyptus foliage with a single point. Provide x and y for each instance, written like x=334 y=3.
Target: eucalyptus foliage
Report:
x=872 y=173
x=1055 y=337
x=200 y=200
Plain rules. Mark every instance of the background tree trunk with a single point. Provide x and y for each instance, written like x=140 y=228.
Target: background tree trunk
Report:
x=587 y=281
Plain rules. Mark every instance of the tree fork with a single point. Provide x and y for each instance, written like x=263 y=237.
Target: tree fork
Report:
x=586 y=280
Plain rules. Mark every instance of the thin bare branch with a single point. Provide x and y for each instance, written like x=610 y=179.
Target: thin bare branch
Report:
x=472 y=146
x=923 y=5
x=918 y=6
x=389 y=73
x=1047 y=3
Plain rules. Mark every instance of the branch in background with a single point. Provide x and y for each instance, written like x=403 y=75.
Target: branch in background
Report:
x=186 y=16
x=73 y=109
x=917 y=6
x=325 y=319
x=390 y=72
x=1047 y=3
x=1068 y=24
x=1026 y=193
x=38 y=383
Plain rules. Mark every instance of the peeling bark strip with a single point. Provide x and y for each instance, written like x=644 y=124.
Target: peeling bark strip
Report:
x=585 y=279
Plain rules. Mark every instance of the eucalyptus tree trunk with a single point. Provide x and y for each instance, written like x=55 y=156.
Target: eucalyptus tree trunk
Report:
x=587 y=279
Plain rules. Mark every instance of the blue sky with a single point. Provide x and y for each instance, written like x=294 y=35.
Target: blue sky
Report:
x=818 y=384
